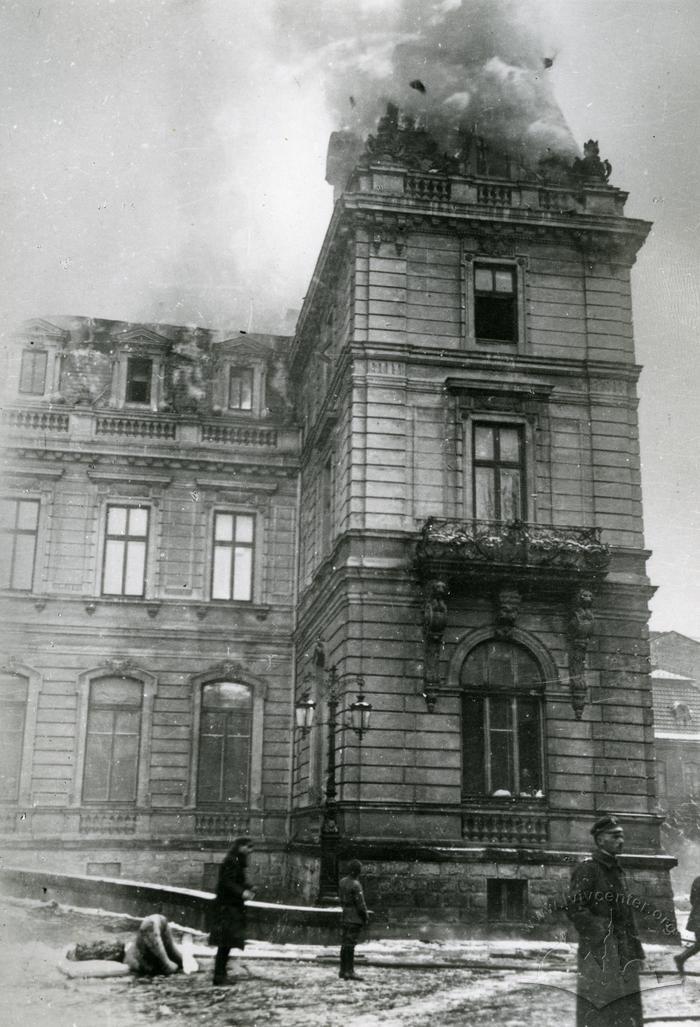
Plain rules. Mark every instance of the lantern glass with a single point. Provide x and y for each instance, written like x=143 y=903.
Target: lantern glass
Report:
x=360 y=712
x=304 y=711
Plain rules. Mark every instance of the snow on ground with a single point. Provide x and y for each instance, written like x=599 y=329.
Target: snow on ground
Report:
x=406 y=983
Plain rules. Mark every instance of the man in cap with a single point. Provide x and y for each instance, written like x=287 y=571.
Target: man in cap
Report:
x=354 y=917
x=609 y=950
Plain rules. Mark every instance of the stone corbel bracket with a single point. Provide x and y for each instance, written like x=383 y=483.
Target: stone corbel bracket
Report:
x=436 y=592
x=580 y=630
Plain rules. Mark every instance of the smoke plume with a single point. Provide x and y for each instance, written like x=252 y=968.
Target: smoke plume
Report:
x=456 y=66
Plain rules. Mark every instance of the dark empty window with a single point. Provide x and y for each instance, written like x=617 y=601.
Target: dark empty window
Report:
x=32 y=375
x=499 y=472
x=240 y=388
x=495 y=304
x=13 y=708
x=112 y=743
x=501 y=723
x=224 y=743
x=139 y=371
x=326 y=506
x=19 y=523
x=506 y=899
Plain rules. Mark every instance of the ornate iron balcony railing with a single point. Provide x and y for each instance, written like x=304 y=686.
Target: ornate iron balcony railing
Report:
x=516 y=544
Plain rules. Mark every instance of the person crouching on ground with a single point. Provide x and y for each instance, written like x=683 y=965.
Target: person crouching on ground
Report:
x=354 y=917
x=153 y=951
x=227 y=924
x=692 y=925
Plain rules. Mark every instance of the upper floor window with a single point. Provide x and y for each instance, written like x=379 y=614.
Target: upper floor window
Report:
x=126 y=540
x=691 y=778
x=501 y=722
x=232 y=564
x=139 y=376
x=661 y=786
x=224 y=743
x=681 y=714
x=13 y=709
x=32 y=375
x=326 y=506
x=240 y=388
x=113 y=740
x=20 y=523
x=495 y=303
x=499 y=472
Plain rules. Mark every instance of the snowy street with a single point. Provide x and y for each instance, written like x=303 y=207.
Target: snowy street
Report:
x=405 y=983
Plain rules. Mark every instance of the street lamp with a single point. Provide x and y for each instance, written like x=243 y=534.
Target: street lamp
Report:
x=360 y=711
x=304 y=711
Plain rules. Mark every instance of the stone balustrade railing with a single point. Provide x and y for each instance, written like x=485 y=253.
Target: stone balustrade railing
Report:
x=238 y=435
x=136 y=427
x=35 y=420
x=81 y=423
x=111 y=822
x=507 y=827
x=220 y=824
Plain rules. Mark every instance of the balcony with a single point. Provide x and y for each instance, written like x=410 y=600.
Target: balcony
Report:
x=507 y=828
x=473 y=550
x=82 y=424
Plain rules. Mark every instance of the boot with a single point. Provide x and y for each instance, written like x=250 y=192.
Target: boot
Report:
x=220 y=979
x=350 y=974
x=343 y=962
x=679 y=961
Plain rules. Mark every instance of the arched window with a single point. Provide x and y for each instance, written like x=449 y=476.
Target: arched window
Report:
x=113 y=740
x=13 y=709
x=224 y=743
x=502 y=722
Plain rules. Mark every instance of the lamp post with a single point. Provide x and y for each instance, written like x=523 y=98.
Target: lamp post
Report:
x=360 y=711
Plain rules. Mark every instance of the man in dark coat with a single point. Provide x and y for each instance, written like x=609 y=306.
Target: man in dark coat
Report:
x=354 y=917
x=227 y=922
x=609 y=950
x=692 y=925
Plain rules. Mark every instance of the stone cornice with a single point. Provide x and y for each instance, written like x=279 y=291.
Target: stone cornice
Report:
x=520 y=363
x=237 y=485
x=52 y=473
x=375 y=211
x=285 y=467
x=137 y=477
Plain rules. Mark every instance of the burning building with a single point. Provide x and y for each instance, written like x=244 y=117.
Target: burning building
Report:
x=471 y=552
x=378 y=590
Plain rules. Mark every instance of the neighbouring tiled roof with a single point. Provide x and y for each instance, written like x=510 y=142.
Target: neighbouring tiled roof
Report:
x=669 y=689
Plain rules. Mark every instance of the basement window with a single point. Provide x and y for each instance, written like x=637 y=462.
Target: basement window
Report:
x=506 y=900
x=495 y=303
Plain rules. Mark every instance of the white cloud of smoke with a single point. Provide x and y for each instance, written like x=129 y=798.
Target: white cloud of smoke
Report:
x=455 y=65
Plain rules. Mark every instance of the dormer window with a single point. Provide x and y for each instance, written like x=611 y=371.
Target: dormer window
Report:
x=32 y=375
x=139 y=376
x=681 y=714
x=240 y=388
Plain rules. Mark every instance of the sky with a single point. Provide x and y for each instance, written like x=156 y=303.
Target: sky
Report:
x=164 y=161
